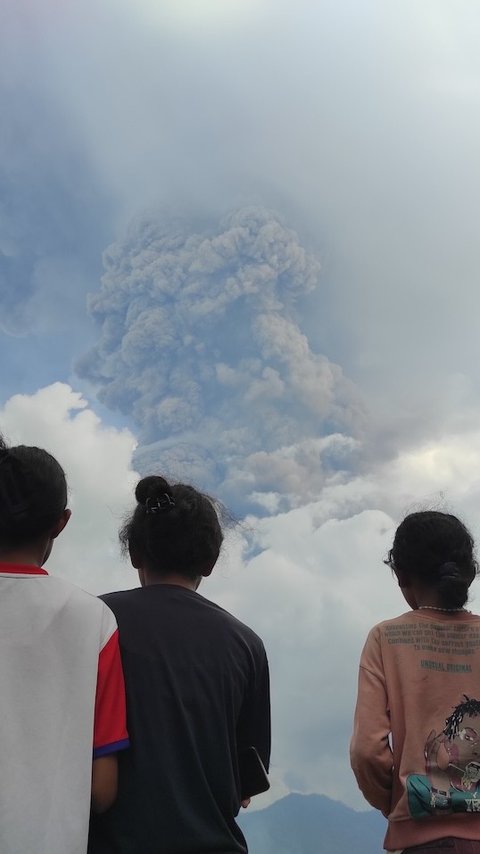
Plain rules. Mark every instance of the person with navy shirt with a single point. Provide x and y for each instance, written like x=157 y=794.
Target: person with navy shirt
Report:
x=197 y=687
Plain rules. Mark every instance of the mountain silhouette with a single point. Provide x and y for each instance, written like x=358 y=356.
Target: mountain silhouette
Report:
x=307 y=824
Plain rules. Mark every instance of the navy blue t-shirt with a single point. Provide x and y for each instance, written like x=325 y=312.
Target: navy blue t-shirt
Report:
x=197 y=695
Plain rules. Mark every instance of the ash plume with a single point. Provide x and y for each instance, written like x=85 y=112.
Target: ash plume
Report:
x=200 y=343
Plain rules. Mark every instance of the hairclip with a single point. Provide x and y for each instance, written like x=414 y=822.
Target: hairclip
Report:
x=159 y=503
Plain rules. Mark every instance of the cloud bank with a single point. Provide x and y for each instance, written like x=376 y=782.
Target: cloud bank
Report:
x=309 y=580
x=108 y=108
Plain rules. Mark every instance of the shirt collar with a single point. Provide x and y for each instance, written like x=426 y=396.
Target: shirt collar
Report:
x=21 y=569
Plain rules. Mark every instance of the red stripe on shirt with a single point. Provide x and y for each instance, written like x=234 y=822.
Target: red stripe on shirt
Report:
x=110 y=723
x=22 y=569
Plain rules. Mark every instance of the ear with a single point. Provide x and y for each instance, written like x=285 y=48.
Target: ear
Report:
x=135 y=557
x=402 y=578
x=207 y=569
x=60 y=525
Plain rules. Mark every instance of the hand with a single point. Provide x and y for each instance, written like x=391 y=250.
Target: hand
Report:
x=245 y=803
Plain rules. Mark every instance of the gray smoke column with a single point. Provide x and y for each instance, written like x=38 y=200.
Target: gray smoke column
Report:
x=200 y=344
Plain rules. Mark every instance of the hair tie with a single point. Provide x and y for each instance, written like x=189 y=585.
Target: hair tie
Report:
x=159 y=504
x=449 y=570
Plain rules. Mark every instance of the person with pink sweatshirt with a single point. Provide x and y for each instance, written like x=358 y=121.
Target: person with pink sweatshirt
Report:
x=415 y=749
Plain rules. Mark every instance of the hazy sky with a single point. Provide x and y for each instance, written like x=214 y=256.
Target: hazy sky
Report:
x=240 y=236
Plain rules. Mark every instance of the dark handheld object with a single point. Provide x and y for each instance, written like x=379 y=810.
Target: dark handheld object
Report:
x=253 y=775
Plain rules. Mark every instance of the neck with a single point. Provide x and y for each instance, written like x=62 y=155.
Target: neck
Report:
x=437 y=608
x=428 y=597
x=148 y=578
x=32 y=555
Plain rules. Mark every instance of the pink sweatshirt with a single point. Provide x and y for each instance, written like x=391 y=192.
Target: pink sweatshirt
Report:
x=419 y=691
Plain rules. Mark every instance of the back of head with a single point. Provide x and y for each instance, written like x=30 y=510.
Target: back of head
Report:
x=33 y=494
x=173 y=529
x=437 y=550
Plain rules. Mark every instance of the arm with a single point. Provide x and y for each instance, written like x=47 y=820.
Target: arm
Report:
x=370 y=754
x=104 y=782
x=254 y=724
x=253 y=729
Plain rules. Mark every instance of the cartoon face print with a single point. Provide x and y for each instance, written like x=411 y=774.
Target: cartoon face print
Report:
x=452 y=764
x=463 y=749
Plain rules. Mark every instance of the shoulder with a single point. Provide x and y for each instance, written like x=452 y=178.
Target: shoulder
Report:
x=75 y=596
x=81 y=608
x=232 y=623
x=406 y=617
x=119 y=596
x=122 y=602
x=387 y=626
x=384 y=633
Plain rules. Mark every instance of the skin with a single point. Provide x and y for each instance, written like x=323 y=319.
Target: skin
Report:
x=104 y=782
x=147 y=577
x=416 y=593
x=36 y=553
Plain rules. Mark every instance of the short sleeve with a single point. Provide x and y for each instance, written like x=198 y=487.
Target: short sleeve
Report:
x=110 y=721
x=253 y=728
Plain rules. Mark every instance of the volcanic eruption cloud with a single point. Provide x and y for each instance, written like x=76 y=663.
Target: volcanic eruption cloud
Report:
x=200 y=344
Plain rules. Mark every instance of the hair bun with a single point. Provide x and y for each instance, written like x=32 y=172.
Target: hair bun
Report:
x=151 y=487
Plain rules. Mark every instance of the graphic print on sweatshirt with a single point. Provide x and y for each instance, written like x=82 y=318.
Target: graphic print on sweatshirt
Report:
x=451 y=783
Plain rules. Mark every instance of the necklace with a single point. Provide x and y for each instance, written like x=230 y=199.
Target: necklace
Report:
x=448 y=610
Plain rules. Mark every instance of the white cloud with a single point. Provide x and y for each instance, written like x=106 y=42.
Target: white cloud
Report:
x=97 y=463
x=190 y=16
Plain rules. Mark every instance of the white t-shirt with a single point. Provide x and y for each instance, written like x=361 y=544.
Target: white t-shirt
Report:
x=62 y=701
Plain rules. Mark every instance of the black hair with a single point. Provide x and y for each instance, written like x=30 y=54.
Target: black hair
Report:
x=33 y=493
x=452 y=723
x=439 y=550
x=174 y=528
